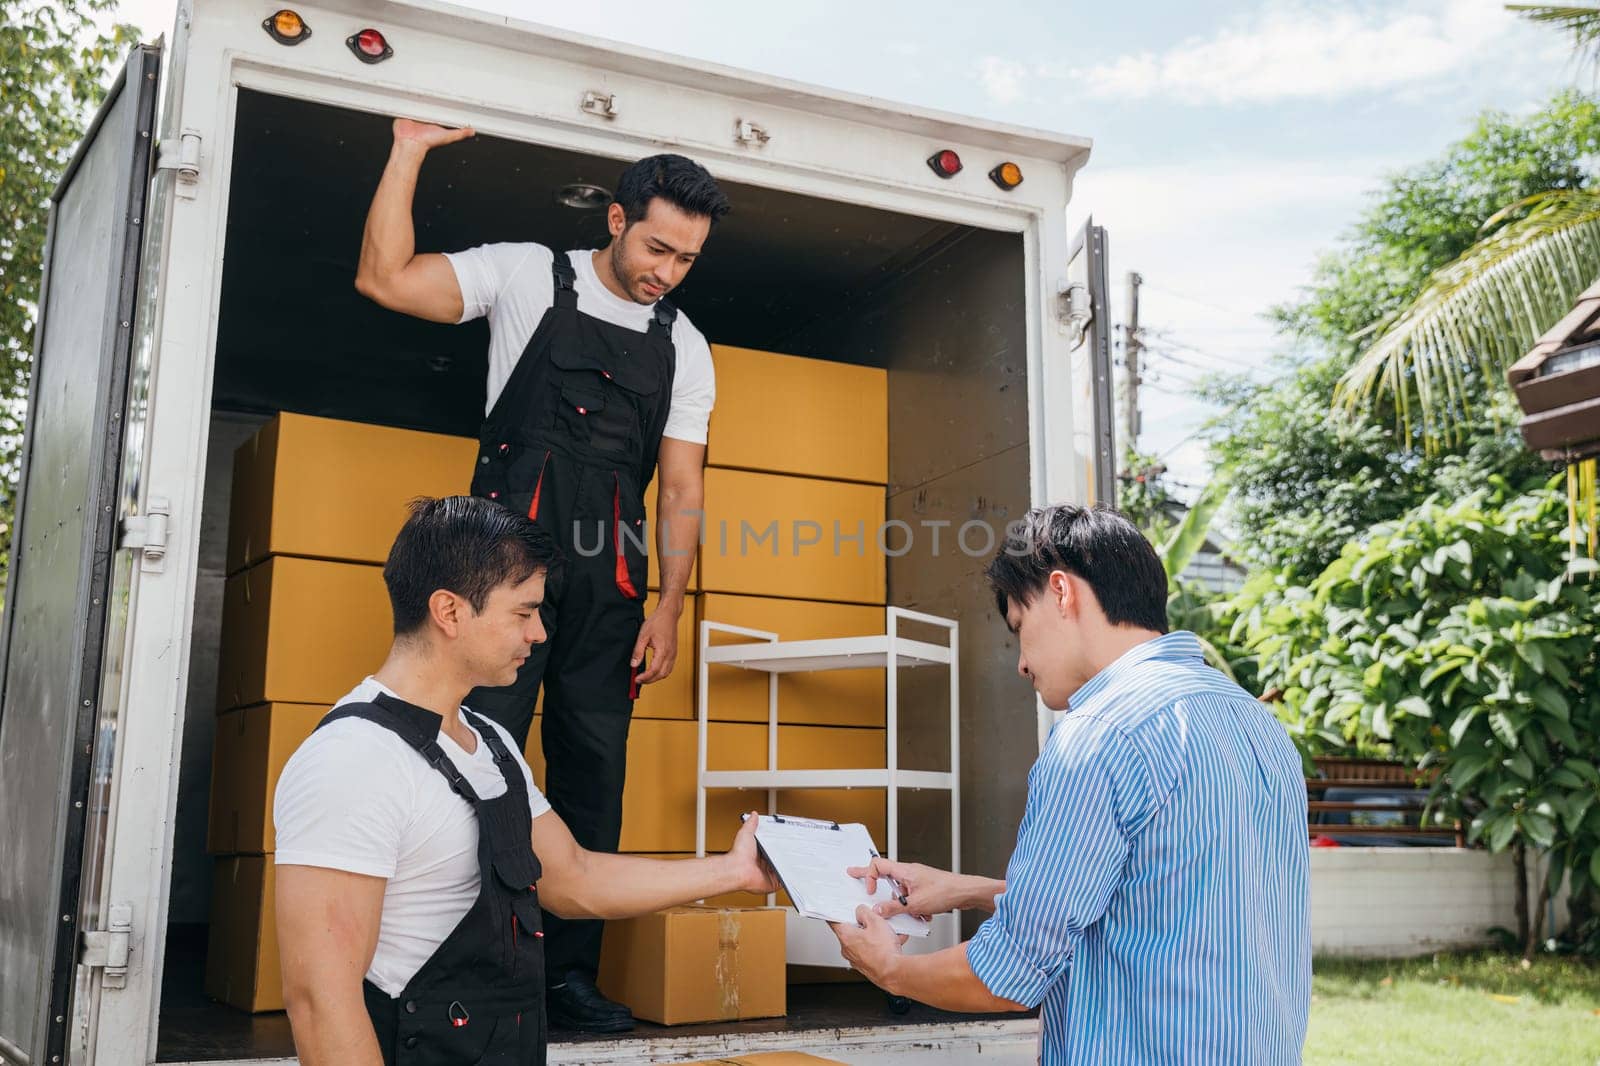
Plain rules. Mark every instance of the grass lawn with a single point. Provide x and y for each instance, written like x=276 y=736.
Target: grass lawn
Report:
x=1459 y=1009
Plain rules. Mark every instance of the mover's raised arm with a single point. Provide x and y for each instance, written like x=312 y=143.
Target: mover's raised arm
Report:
x=390 y=272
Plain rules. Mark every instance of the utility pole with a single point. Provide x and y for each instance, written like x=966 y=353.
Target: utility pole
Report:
x=1130 y=382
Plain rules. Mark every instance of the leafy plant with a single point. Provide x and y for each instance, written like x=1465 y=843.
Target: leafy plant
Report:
x=1461 y=637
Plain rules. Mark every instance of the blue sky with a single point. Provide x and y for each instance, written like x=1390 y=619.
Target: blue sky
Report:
x=1234 y=139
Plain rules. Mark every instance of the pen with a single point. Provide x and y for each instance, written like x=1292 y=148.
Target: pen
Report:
x=900 y=889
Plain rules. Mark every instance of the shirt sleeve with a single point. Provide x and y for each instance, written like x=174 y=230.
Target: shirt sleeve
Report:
x=343 y=802
x=484 y=273
x=694 y=386
x=1072 y=846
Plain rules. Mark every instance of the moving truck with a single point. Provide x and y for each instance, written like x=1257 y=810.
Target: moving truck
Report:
x=199 y=281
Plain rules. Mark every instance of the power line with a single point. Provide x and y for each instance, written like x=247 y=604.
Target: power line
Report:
x=1205 y=303
x=1166 y=338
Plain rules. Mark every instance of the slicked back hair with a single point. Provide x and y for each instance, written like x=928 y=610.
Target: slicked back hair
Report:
x=676 y=179
x=462 y=544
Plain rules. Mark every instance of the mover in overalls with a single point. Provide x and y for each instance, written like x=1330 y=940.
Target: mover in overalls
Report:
x=595 y=382
x=413 y=850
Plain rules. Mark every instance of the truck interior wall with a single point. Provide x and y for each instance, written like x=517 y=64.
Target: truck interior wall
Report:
x=940 y=306
x=953 y=334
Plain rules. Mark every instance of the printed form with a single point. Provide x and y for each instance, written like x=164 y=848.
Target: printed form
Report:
x=810 y=858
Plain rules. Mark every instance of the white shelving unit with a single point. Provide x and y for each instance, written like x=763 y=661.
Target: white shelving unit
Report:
x=810 y=942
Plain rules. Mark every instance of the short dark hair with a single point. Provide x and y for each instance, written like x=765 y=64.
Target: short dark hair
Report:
x=678 y=180
x=464 y=544
x=1097 y=544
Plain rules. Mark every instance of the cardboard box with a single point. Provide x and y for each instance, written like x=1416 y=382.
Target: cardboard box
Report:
x=301 y=631
x=832 y=697
x=697 y=964
x=785 y=414
x=242 y=967
x=802 y=538
x=658 y=800
x=328 y=489
x=247 y=757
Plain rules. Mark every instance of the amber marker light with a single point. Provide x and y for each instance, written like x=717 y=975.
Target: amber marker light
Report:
x=1007 y=175
x=286 y=27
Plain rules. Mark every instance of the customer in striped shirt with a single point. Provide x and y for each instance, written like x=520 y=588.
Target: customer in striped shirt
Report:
x=1156 y=900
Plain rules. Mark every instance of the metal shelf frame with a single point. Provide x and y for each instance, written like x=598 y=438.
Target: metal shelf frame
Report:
x=765 y=652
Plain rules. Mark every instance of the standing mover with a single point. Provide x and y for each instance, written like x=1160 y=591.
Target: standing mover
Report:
x=1156 y=902
x=414 y=849
x=594 y=381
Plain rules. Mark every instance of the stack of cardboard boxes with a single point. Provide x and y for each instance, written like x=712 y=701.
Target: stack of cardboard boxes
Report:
x=795 y=498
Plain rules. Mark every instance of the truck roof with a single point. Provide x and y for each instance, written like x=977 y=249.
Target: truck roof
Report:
x=536 y=39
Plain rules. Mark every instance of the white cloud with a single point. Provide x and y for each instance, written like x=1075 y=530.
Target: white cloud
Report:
x=1294 y=50
x=1002 y=79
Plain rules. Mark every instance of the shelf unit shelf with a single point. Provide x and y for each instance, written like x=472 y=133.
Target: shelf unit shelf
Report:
x=811 y=942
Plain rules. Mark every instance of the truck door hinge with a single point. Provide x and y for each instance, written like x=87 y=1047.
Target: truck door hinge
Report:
x=108 y=949
x=147 y=534
x=747 y=132
x=599 y=104
x=1075 y=310
x=183 y=157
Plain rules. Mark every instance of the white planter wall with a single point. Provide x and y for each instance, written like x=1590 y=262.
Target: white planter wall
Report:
x=1410 y=901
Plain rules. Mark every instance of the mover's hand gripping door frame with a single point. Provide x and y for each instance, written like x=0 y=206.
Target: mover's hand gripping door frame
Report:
x=62 y=620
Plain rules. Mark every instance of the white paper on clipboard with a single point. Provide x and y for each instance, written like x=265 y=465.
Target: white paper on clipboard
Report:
x=810 y=858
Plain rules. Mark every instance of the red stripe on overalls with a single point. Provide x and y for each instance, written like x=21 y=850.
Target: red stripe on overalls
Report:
x=624 y=582
x=533 y=508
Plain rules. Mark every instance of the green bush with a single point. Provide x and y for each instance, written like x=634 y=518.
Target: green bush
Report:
x=1460 y=637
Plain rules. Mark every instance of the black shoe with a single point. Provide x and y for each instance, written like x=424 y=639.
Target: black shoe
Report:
x=577 y=1004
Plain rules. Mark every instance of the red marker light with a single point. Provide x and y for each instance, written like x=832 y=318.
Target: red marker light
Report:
x=945 y=163
x=369 y=46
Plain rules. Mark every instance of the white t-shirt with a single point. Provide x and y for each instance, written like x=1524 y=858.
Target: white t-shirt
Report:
x=356 y=797
x=511 y=283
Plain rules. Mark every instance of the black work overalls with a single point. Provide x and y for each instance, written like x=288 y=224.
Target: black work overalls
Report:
x=480 y=996
x=572 y=441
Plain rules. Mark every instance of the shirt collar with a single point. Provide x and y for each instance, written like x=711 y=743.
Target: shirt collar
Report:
x=1171 y=647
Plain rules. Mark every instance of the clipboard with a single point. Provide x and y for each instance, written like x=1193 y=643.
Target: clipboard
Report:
x=810 y=856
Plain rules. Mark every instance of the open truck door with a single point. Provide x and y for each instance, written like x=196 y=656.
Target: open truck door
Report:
x=1088 y=321
x=63 y=618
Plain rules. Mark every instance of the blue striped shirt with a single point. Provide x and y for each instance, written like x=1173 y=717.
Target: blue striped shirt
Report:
x=1156 y=903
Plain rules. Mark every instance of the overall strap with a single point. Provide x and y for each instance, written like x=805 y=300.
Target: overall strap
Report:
x=663 y=318
x=504 y=761
x=566 y=280
x=418 y=728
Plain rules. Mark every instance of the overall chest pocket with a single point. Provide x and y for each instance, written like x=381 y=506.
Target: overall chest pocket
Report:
x=605 y=407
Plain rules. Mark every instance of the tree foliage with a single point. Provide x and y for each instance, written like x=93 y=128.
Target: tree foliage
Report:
x=54 y=65
x=1461 y=637
x=1308 y=479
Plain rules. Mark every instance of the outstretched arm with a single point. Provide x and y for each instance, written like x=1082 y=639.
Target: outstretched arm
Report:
x=578 y=883
x=390 y=272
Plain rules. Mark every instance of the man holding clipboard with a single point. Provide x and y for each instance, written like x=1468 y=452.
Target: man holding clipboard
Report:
x=1156 y=902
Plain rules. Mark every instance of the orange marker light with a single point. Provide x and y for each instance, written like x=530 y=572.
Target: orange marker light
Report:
x=1007 y=175
x=286 y=27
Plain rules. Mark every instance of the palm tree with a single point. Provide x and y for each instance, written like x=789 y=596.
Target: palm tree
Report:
x=1490 y=305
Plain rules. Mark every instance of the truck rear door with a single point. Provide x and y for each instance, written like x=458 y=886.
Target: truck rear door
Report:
x=58 y=605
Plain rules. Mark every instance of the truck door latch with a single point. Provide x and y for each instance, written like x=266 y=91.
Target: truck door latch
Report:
x=147 y=534
x=1076 y=310
x=602 y=105
x=108 y=949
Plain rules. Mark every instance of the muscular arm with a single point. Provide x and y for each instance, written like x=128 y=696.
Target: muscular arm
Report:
x=390 y=272
x=680 y=497
x=327 y=933
x=578 y=883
